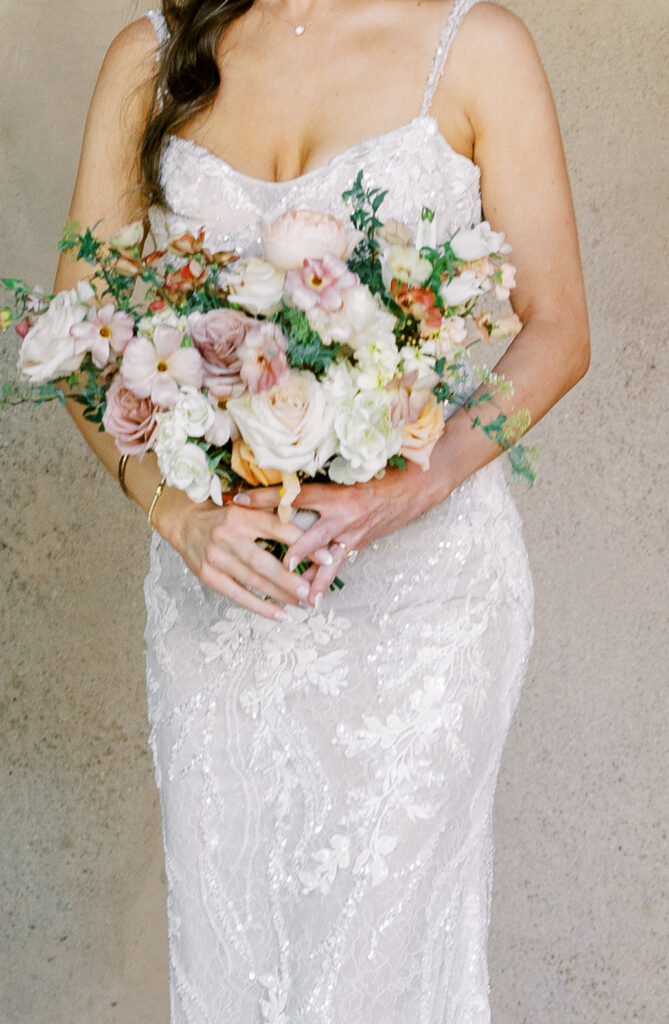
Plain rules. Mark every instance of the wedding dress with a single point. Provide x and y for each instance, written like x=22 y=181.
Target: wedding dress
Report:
x=326 y=783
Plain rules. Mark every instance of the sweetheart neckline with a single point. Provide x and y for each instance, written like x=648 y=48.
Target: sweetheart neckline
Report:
x=333 y=160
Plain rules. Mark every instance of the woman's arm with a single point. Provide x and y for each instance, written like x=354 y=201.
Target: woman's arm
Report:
x=217 y=544
x=496 y=78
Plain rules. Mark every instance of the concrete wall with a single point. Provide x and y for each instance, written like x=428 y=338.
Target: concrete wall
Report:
x=579 y=933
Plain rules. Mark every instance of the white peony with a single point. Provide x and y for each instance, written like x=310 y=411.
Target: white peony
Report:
x=461 y=289
x=404 y=263
x=188 y=469
x=479 y=241
x=47 y=351
x=193 y=412
x=255 y=284
x=288 y=427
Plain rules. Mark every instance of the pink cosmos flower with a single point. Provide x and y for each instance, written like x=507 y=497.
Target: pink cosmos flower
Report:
x=217 y=336
x=155 y=369
x=130 y=420
x=224 y=428
x=103 y=330
x=263 y=355
x=319 y=283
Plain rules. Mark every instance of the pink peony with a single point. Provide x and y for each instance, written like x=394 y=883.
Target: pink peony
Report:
x=130 y=420
x=319 y=283
x=263 y=354
x=300 y=235
x=217 y=336
x=156 y=368
x=103 y=330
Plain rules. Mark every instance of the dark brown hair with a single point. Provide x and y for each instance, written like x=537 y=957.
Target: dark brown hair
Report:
x=187 y=79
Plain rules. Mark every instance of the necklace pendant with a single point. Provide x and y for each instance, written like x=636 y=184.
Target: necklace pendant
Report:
x=299 y=30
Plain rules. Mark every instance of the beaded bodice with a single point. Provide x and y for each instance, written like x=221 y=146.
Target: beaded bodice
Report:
x=414 y=162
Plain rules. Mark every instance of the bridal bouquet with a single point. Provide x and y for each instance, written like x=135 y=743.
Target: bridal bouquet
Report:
x=333 y=354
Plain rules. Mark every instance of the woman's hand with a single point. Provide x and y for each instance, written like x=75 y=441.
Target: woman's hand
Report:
x=219 y=546
x=350 y=518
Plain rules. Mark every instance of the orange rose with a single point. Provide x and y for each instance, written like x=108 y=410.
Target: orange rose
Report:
x=244 y=464
x=420 y=437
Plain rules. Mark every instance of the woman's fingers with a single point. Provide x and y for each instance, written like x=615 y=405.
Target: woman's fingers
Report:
x=222 y=583
x=325 y=576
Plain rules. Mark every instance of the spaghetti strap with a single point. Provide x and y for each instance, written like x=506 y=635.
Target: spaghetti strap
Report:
x=157 y=19
x=458 y=11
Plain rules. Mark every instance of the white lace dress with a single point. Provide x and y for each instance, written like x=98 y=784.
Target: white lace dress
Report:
x=327 y=782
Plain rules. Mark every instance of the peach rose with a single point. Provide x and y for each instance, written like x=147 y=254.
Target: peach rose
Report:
x=243 y=463
x=420 y=437
x=300 y=235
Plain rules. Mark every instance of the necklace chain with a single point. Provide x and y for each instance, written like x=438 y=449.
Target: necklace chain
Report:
x=300 y=29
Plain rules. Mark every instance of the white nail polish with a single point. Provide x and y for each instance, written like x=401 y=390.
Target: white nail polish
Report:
x=318 y=601
x=241 y=499
x=303 y=591
x=293 y=564
x=325 y=558
x=280 y=616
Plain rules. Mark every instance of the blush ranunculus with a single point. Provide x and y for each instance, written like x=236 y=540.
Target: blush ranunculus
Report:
x=218 y=335
x=300 y=235
x=263 y=356
x=420 y=437
x=319 y=283
x=130 y=420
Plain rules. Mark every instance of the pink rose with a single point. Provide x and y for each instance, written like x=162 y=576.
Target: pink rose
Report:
x=319 y=283
x=263 y=354
x=217 y=335
x=130 y=420
x=300 y=235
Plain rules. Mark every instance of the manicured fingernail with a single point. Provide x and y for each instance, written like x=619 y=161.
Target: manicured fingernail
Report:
x=324 y=557
x=280 y=616
x=303 y=592
x=318 y=601
x=241 y=499
x=293 y=564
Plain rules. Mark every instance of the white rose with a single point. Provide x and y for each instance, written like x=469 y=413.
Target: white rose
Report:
x=366 y=436
x=404 y=263
x=288 y=427
x=188 y=469
x=193 y=412
x=255 y=284
x=361 y=321
x=461 y=289
x=47 y=351
x=170 y=436
x=475 y=243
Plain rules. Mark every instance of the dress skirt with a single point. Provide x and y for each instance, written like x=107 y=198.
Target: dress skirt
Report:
x=327 y=782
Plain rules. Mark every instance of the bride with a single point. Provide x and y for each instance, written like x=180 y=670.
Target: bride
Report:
x=327 y=761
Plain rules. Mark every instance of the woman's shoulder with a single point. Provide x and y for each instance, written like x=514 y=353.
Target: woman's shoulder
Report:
x=133 y=50
x=491 y=29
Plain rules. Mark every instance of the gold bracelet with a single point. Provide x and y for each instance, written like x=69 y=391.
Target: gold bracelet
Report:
x=123 y=462
x=159 y=490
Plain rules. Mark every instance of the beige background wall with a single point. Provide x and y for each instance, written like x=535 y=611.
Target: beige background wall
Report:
x=579 y=933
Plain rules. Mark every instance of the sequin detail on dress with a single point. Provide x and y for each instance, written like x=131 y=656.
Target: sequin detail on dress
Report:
x=326 y=783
